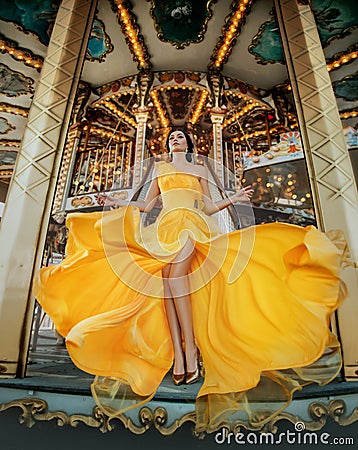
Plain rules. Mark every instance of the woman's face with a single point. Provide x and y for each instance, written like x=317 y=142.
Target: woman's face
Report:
x=177 y=142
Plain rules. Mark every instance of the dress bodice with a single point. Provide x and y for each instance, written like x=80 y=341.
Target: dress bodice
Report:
x=178 y=189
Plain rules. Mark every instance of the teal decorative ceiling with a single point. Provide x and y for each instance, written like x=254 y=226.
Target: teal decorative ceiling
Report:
x=181 y=22
x=34 y=16
x=334 y=18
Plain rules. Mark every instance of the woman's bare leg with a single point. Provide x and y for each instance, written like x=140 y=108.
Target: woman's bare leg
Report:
x=179 y=286
x=174 y=326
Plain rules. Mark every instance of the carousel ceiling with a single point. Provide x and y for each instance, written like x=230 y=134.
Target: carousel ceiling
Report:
x=179 y=41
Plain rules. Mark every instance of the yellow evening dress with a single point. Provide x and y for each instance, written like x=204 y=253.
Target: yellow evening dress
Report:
x=261 y=299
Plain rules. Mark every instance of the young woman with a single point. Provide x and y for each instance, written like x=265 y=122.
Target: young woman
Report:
x=254 y=302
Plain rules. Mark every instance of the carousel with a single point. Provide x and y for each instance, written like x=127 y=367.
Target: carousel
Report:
x=91 y=90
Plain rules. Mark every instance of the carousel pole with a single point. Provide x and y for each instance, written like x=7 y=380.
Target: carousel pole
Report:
x=331 y=176
x=144 y=82
x=217 y=115
x=30 y=196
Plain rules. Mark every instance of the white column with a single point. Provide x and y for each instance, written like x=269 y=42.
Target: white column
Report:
x=141 y=118
x=217 y=118
x=28 y=206
x=330 y=171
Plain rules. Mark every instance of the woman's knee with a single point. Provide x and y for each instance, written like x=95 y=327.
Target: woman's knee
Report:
x=178 y=282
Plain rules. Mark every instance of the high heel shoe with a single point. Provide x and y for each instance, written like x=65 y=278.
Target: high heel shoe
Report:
x=192 y=377
x=178 y=379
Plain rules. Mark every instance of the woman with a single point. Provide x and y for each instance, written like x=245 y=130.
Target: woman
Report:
x=256 y=301
x=177 y=304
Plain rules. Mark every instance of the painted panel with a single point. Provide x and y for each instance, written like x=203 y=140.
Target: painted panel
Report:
x=99 y=43
x=181 y=22
x=5 y=126
x=334 y=18
x=36 y=17
x=13 y=84
x=347 y=88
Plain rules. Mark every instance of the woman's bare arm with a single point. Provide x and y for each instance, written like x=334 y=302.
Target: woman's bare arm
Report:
x=143 y=205
x=211 y=207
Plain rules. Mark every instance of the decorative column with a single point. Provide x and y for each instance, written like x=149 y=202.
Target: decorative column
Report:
x=217 y=118
x=215 y=82
x=28 y=206
x=66 y=170
x=141 y=118
x=330 y=171
x=144 y=83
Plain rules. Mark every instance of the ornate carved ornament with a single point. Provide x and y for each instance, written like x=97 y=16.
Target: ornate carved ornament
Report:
x=342 y=58
x=130 y=28
x=117 y=87
x=179 y=78
x=235 y=85
x=229 y=33
x=36 y=410
x=179 y=101
x=20 y=54
x=181 y=23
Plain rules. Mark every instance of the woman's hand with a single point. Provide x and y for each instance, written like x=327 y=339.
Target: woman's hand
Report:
x=109 y=200
x=242 y=195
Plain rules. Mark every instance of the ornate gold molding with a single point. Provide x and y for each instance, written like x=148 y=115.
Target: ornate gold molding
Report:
x=12 y=109
x=20 y=54
x=36 y=410
x=348 y=113
x=234 y=21
x=12 y=143
x=130 y=28
x=342 y=58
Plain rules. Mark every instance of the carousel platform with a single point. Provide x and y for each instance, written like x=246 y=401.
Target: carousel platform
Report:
x=50 y=369
x=55 y=389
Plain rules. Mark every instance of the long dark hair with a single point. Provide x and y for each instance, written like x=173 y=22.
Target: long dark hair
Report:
x=190 y=151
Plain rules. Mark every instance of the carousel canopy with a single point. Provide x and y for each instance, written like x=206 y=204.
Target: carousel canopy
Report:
x=177 y=44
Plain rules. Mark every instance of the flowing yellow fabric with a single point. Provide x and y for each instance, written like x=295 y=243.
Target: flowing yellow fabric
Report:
x=261 y=300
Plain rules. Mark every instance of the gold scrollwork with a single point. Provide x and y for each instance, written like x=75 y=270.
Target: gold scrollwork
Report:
x=36 y=410
x=159 y=417
x=230 y=31
x=131 y=31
